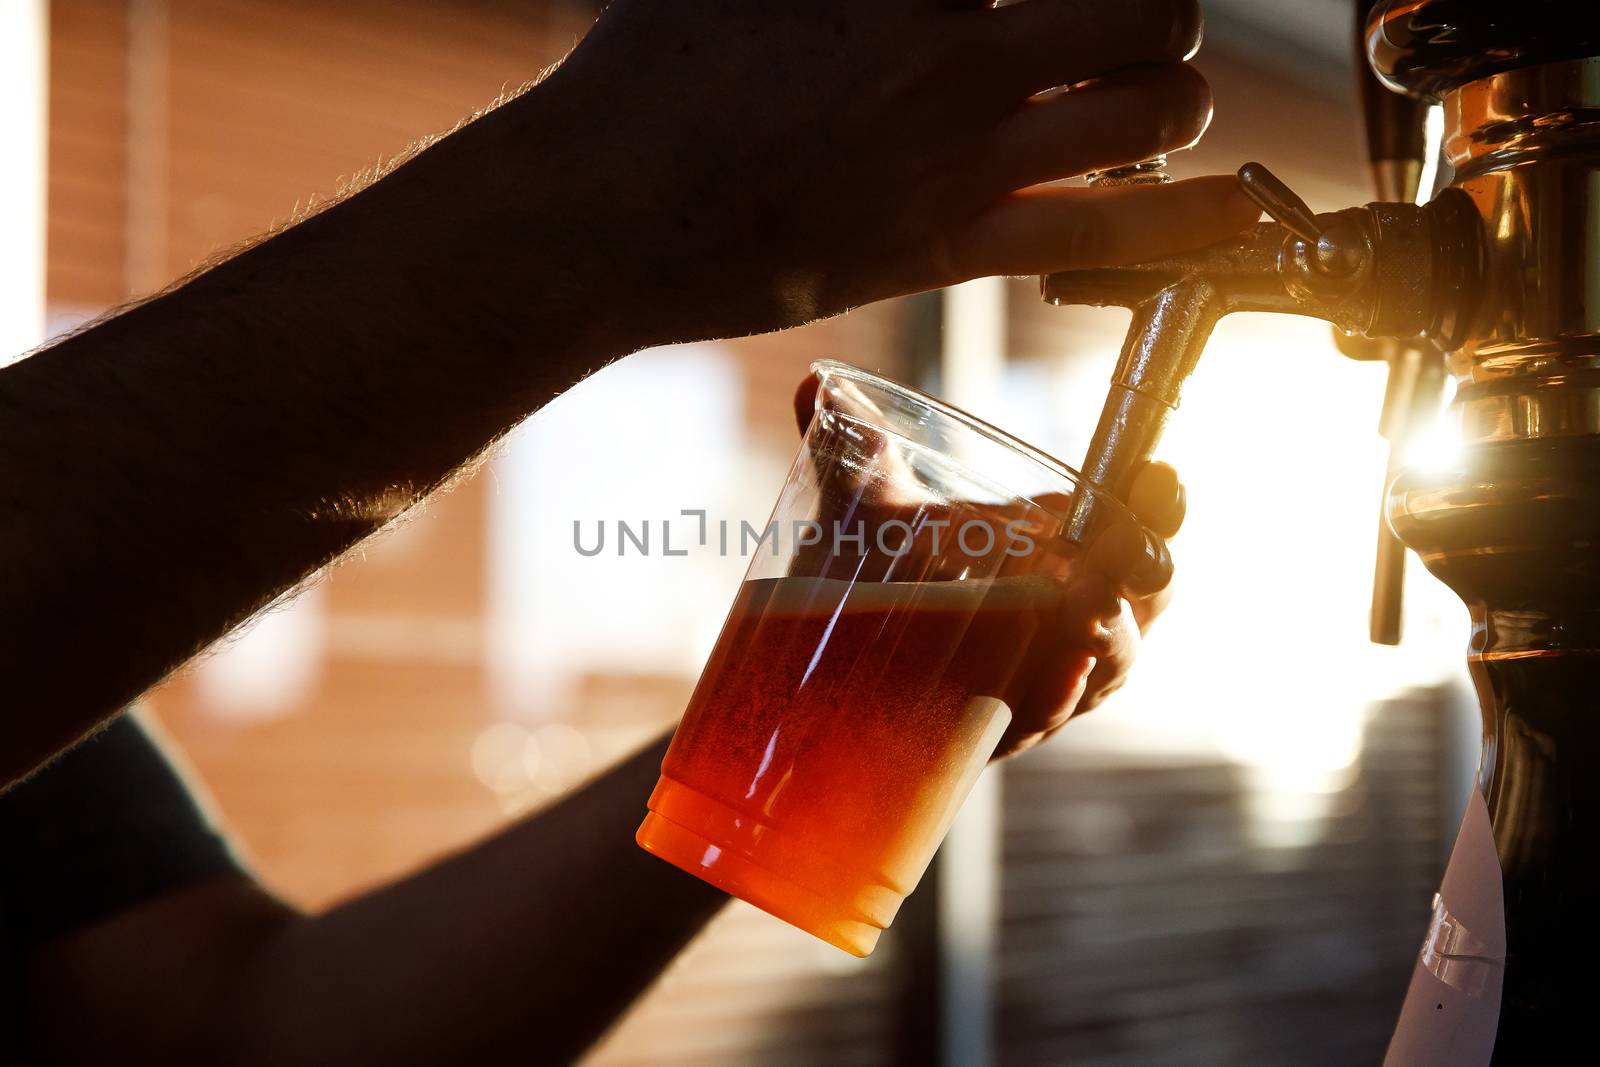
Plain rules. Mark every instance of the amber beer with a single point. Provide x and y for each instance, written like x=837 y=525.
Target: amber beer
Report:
x=835 y=731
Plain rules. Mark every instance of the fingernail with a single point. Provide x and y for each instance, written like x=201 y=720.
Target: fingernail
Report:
x=1082 y=680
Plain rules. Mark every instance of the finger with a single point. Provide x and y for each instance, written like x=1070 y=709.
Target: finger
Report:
x=1092 y=646
x=1146 y=609
x=1132 y=557
x=881 y=474
x=1158 y=498
x=1104 y=681
x=1047 y=229
x=1057 y=702
x=1119 y=119
x=1067 y=687
x=1046 y=43
x=1118 y=648
x=805 y=402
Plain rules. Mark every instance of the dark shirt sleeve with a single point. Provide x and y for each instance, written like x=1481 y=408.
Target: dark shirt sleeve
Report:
x=108 y=825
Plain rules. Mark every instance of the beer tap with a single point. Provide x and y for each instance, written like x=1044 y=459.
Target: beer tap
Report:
x=1386 y=270
x=1393 y=125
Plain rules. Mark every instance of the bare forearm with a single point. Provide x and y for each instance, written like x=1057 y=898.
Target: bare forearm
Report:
x=529 y=945
x=166 y=473
x=535 y=941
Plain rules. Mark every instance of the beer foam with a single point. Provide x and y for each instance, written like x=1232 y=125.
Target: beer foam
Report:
x=809 y=595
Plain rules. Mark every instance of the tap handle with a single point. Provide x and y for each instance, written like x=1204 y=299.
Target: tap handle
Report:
x=1394 y=124
x=1279 y=201
x=1411 y=401
x=1400 y=401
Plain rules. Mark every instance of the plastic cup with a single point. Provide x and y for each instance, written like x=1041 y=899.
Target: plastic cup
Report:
x=910 y=590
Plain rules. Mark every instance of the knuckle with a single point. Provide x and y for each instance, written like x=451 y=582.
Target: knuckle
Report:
x=1175 y=102
x=1159 y=29
x=1190 y=86
x=1088 y=239
x=1178 y=25
x=952 y=257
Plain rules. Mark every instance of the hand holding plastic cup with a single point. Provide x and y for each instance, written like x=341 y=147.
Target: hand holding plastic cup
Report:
x=916 y=589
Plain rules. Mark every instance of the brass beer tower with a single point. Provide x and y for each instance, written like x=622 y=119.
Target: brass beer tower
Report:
x=1500 y=272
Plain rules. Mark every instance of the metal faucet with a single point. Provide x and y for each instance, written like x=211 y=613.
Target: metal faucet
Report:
x=1386 y=270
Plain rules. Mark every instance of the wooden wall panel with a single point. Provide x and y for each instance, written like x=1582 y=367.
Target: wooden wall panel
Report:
x=87 y=187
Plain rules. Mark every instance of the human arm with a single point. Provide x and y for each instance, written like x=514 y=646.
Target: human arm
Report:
x=696 y=168
x=530 y=944
x=523 y=948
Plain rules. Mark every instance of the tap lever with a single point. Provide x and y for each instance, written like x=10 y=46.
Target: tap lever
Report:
x=1410 y=401
x=1279 y=201
x=1384 y=270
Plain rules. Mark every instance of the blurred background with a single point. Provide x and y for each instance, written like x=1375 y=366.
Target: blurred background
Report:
x=1230 y=863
